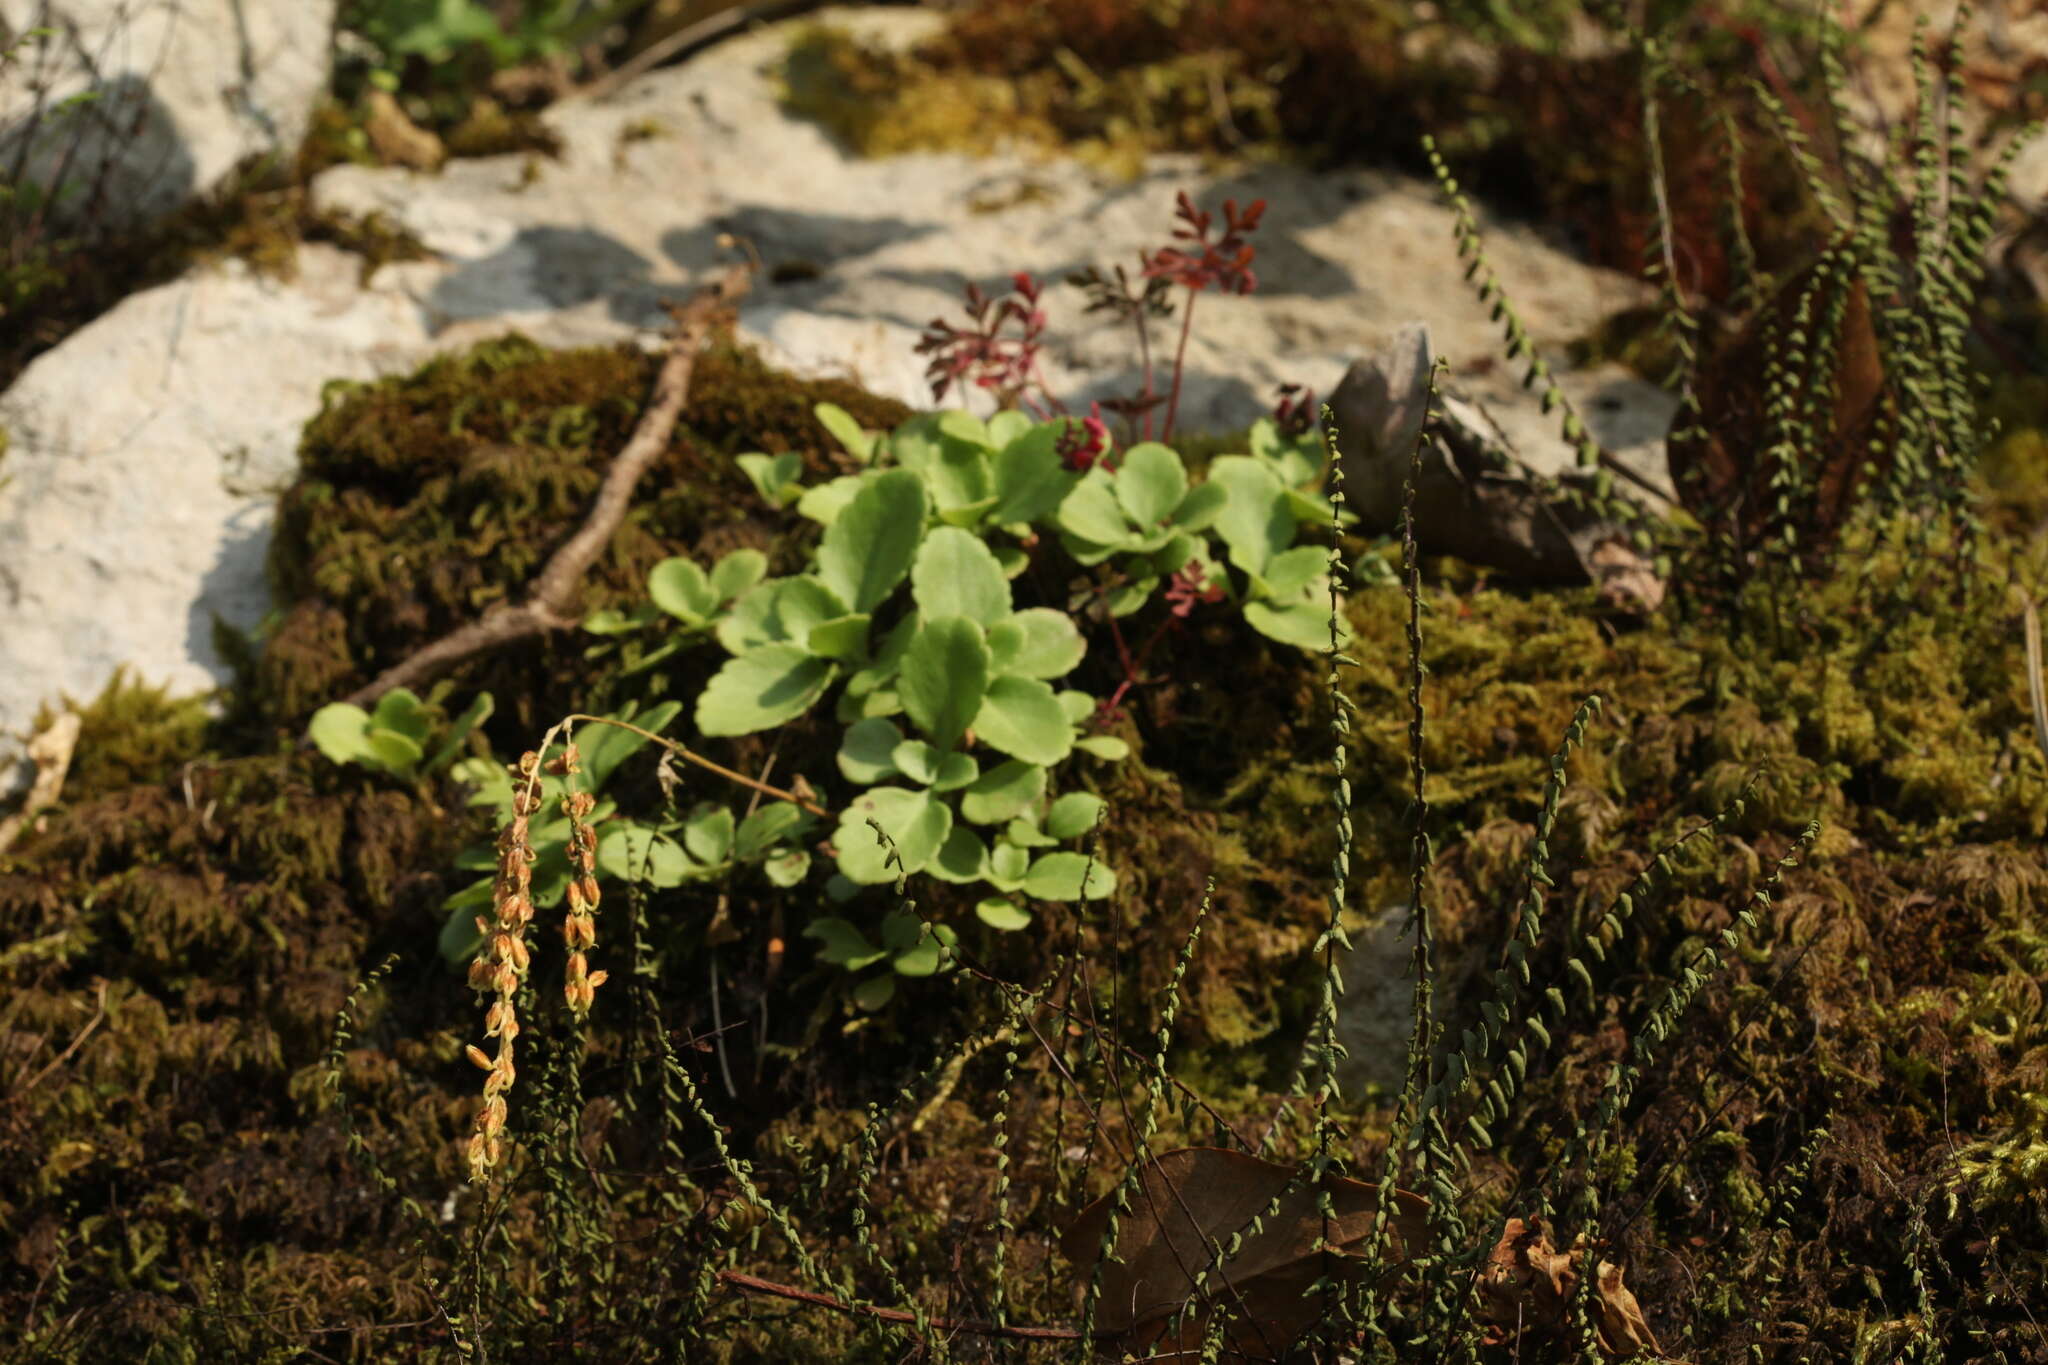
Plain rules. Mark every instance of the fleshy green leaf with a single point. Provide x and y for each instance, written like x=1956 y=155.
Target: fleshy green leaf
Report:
x=1002 y=914
x=1051 y=646
x=1027 y=478
x=964 y=426
x=963 y=858
x=775 y=477
x=917 y=761
x=865 y=752
x=1059 y=877
x=393 y=752
x=737 y=572
x=1304 y=625
x=1024 y=833
x=479 y=711
x=944 y=678
x=955 y=771
x=1003 y=792
x=757 y=691
x=1092 y=512
x=1021 y=717
x=788 y=868
x=869 y=547
x=824 y=503
x=842 y=945
x=1288 y=572
x=682 y=590
x=400 y=711
x=1007 y=865
x=1107 y=747
x=768 y=826
x=956 y=574
x=341 y=732
x=707 y=834
x=918 y=821
x=1076 y=704
x=858 y=443
x=1006 y=426
x=1200 y=506
x=633 y=852
x=875 y=992
x=1256 y=523
x=1150 y=483
x=1073 y=815
x=844 y=638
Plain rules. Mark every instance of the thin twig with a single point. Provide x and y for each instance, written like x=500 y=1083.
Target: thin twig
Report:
x=551 y=602
x=2030 y=628
x=755 y=1285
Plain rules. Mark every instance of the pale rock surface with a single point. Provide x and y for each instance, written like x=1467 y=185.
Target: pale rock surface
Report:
x=182 y=91
x=124 y=529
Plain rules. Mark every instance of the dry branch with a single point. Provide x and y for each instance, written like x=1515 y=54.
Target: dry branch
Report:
x=551 y=598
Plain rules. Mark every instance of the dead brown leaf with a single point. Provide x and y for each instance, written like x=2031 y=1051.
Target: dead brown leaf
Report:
x=1528 y=1284
x=1188 y=1205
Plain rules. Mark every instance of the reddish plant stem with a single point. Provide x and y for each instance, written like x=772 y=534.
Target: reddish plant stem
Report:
x=1180 y=354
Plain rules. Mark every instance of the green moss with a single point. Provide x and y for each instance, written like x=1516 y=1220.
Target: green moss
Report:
x=131 y=735
x=425 y=499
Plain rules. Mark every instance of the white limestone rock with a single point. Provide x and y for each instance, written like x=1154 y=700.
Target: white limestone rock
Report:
x=180 y=92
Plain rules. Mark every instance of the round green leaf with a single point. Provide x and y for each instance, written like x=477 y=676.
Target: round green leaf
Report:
x=1073 y=815
x=842 y=945
x=393 y=752
x=1255 y=523
x=1106 y=747
x=1001 y=914
x=1051 y=645
x=737 y=572
x=768 y=826
x=1150 y=483
x=844 y=638
x=865 y=754
x=1058 y=877
x=944 y=678
x=788 y=868
x=956 y=574
x=1029 y=481
x=341 y=732
x=916 y=820
x=637 y=853
x=1301 y=624
x=708 y=833
x=1007 y=865
x=762 y=689
x=963 y=858
x=875 y=992
x=1003 y=792
x=1200 y=506
x=1021 y=717
x=869 y=546
x=955 y=771
x=1092 y=513
x=916 y=760
x=680 y=588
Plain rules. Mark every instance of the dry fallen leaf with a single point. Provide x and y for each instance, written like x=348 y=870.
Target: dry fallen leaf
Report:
x=1528 y=1286
x=1186 y=1207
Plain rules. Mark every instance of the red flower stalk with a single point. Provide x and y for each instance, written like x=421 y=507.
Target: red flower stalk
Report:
x=981 y=354
x=1225 y=263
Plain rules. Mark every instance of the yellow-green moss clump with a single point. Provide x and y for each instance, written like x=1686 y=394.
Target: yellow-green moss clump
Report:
x=425 y=499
